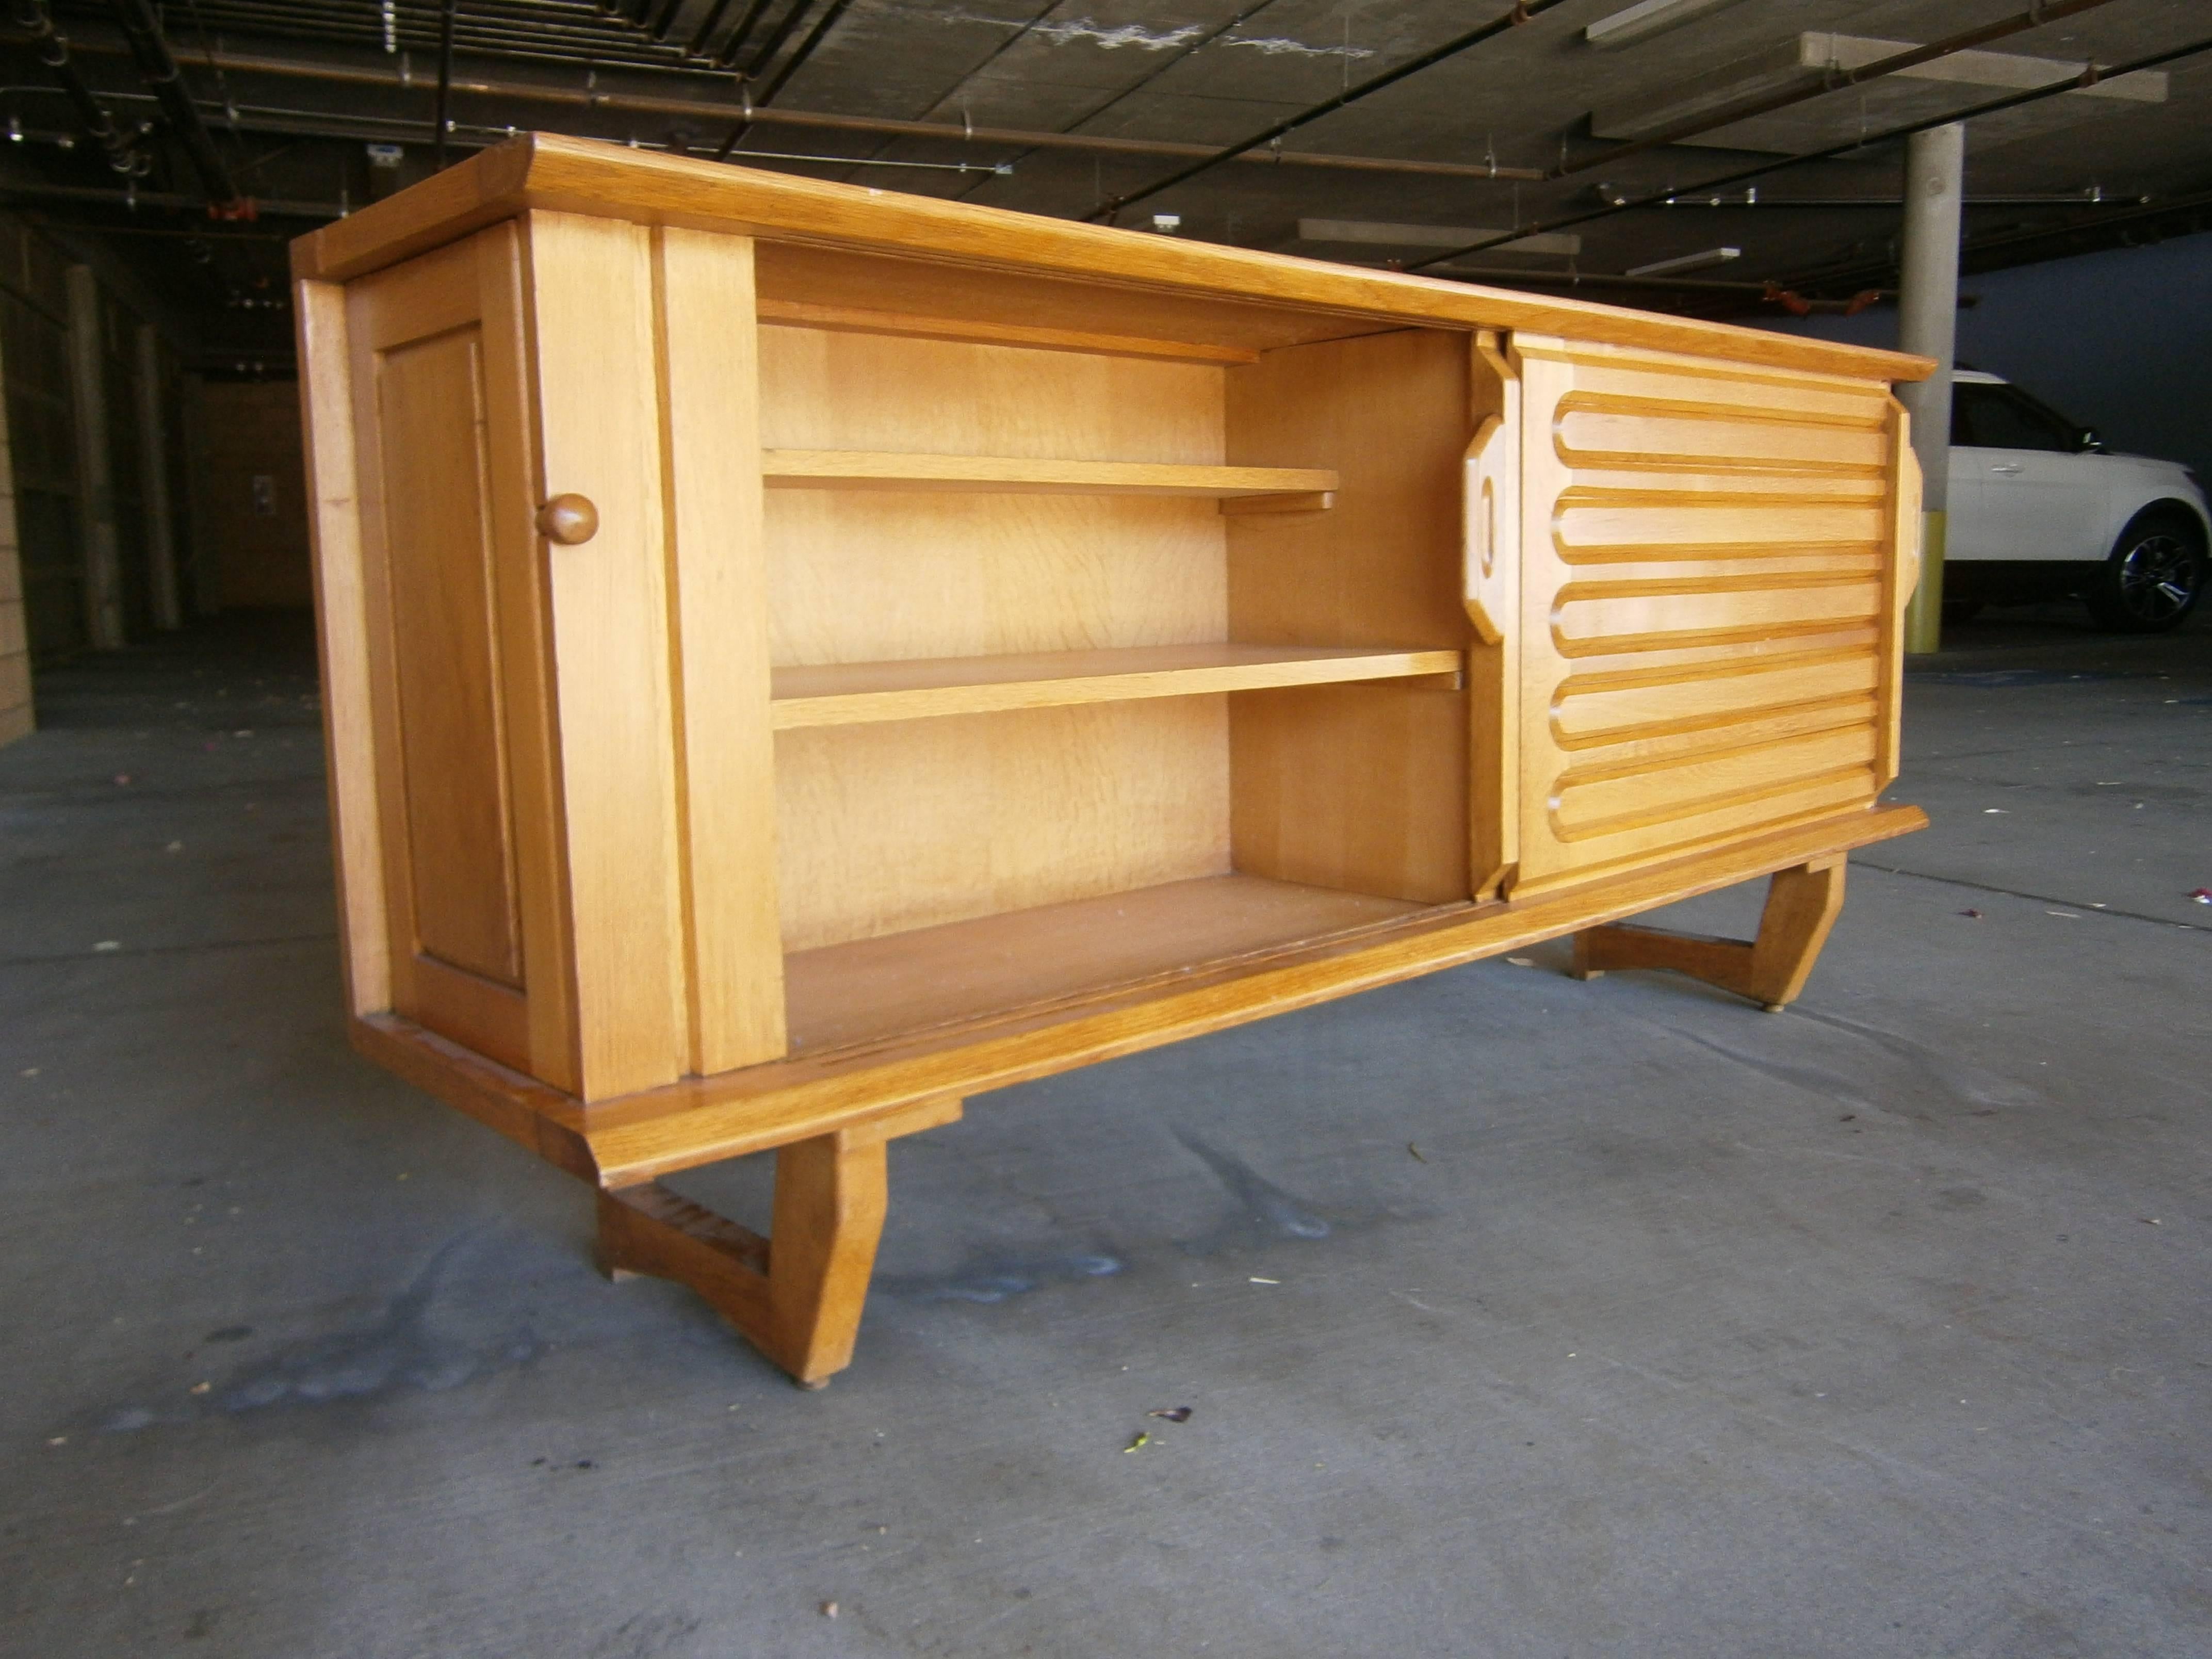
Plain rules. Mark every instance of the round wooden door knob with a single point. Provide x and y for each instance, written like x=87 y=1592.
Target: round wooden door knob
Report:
x=569 y=520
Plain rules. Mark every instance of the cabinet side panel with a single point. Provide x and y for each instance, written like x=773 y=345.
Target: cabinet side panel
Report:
x=1363 y=787
x=430 y=420
x=718 y=586
x=343 y=627
x=591 y=300
x=1709 y=575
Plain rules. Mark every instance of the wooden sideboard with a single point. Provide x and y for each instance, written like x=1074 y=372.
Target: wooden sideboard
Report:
x=797 y=657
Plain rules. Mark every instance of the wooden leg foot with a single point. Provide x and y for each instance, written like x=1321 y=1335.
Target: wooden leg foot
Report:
x=797 y=1294
x=1802 y=905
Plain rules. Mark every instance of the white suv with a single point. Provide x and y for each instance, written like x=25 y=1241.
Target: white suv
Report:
x=2038 y=509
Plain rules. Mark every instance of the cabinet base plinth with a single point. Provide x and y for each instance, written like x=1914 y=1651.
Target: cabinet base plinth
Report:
x=797 y=1294
x=1802 y=906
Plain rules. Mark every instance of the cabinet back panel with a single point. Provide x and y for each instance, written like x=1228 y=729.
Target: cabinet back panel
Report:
x=1360 y=787
x=431 y=419
x=872 y=575
x=825 y=390
x=885 y=828
x=866 y=575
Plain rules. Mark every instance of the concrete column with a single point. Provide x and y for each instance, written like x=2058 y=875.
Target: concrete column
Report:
x=154 y=482
x=95 y=475
x=1928 y=323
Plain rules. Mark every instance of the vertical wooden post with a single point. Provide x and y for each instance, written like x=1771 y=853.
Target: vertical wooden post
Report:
x=95 y=475
x=1803 y=904
x=343 y=609
x=1492 y=580
x=154 y=482
x=707 y=347
x=598 y=413
x=830 y=1192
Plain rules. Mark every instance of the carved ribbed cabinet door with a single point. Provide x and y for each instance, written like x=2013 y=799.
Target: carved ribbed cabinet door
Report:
x=1714 y=560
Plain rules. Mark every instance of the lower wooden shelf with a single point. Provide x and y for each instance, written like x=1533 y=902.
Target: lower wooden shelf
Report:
x=840 y=995
x=846 y=693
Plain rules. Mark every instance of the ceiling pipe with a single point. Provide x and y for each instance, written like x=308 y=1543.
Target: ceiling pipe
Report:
x=177 y=201
x=1524 y=11
x=1834 y=80
x=2088 y=77
x=1235 y=19
x=123 y=154
x=157 y=68
x=696 y=109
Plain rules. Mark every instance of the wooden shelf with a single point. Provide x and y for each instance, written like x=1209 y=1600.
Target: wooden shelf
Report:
x=864 y=469
x=851 y=694
x=965 y=972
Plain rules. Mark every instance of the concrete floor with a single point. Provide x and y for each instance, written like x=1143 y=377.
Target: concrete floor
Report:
x=1875 y=1328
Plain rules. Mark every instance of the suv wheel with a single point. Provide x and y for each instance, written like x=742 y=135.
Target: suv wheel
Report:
x=2154 y=577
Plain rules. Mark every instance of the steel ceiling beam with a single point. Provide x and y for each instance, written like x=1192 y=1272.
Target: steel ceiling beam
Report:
x=236 y=63
x=1523 y=12
x=1836 y=80
x=1657 y=198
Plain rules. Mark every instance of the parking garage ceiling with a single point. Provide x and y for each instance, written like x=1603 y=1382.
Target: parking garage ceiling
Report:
x=1723 y=157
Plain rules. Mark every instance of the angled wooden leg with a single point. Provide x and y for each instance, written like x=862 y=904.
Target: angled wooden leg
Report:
x=797 y=1294
x=1802 y=905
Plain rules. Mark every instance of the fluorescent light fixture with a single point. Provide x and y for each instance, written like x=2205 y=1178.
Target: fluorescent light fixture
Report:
x=1682 y=262
x=1638 y=22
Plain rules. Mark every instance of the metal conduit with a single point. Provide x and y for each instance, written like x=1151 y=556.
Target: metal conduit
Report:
x=2088 y=77
x=648 y=104
x=1835 y=80
x=122 y=147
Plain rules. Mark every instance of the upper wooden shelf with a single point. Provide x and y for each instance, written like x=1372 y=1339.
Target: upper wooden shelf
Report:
x=851 y=694
x=859 y=469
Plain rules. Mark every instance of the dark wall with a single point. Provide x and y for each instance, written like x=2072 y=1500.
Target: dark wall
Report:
x=2120 y=341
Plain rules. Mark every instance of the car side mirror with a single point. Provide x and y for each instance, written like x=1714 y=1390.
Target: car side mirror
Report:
x=2087 y=440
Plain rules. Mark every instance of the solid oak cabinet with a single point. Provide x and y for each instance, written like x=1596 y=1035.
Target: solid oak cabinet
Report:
x=797 y=657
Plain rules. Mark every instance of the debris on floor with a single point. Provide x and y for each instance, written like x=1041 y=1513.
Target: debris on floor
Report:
x=1173 y=1413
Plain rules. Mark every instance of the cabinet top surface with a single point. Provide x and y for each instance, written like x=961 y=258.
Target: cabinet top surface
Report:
x=544 y=171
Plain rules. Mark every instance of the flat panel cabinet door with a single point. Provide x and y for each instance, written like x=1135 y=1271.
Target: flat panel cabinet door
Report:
x=456 y=620
x=1709 y=607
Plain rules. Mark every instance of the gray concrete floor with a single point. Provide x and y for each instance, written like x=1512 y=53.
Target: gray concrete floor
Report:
x=1516 y=1316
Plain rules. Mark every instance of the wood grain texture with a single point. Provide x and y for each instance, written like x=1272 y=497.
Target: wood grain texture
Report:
x=874 y=989
x=709 y=371
x=1901 y=573
x=598 y=415
x=1491 y=561
x=1363 y=787
x=431 y=407
x=327 y=417
x=885 y=828
x=701 y=1121
x=1705 y=550
x=882 y=828
x=867 y=319
x=543 y=171
x=825 y=469
x=1803 y=903
x=470 y=779
x=848 y=694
